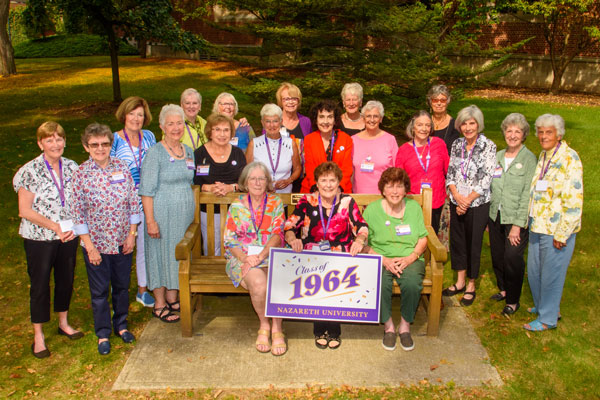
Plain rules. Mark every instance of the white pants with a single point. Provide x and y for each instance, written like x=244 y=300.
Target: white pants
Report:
x=217 y=233
x=140 y=258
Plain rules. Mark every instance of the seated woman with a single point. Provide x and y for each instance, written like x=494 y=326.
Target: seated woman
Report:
x=227 y=105
x=327 y=220
x=105 y=210
x=254 y=225
x=397 y=232
x=327 y=144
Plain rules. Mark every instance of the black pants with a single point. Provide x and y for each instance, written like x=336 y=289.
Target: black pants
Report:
x=334 y=328
x=466 y=238
x=508 y=260
x=42 y=256
x=436 y=215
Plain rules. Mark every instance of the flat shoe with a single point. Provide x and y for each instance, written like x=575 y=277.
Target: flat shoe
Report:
x=72 y=336
x=278 y=335
x=104 y=348
x=498 y=297
x=537 y=326
x=452 y=290
x=320 y=345
x=266 y=333
x=508 y=310
x=467 y=302
x=533 y=310
x=334 y=339
x=127 y=337
x=40 y=354
x=389 y=341
x=406 y=341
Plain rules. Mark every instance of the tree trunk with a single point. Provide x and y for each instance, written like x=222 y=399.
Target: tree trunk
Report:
x=557 y=75
x=114 y=63
x=142 y=45
x=7 y=65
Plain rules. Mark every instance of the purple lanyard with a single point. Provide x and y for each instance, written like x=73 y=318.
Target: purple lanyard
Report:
x=274 y=167
x=61 y=187
x=326 y=227
x=544 y=171
x=470 y=153
x=139 y=165
x=331 y=144
x=428 y=157
x=190 y=133
x=253 y=216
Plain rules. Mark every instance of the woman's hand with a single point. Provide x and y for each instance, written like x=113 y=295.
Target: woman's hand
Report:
x=94 y=256
x=514 y=236
x=243 y=122
x=222 y=189
x=253 y=260
x=558 y=245
x=282 y=183
x=129 y=244
x=296 y=245
x=63 y=236
x=153 y=230
x=357 y=247
x=391 y=264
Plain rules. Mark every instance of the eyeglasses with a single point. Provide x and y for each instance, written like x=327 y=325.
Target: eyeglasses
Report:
x=290 y=99
x=259 y=179
x=227 y=104
x=439 y=101
x=104 y=145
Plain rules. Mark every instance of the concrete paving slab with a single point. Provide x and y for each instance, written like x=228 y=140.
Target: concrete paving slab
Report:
x=221 y=354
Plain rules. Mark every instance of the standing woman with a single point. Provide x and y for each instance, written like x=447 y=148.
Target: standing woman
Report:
x=169 y=208
x=278 y=153
x=444 y=127
x=555 y=209
x=130 y=145
x=43 y=186
x=472 y=164
x=105 y=210
x=327 y=143
x=191 y=102
x=508 y=211
x=227 y=105
x=425 y=160
x=374 y=150
x=352 y=121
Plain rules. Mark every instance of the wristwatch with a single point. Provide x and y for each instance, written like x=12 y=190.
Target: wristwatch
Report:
x=132 y=232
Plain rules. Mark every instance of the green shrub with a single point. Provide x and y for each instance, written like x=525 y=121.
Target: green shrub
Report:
x=69 y=46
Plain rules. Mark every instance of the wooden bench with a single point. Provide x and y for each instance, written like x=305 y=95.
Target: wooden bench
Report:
x=206 y=274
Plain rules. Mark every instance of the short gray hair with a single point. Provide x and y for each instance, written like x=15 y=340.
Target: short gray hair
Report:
x=96 y=130
x=271 y=110
x=243 y=181
x=371 y=104
x=518 y=120
x=466 y=114
x=352 y=88
x=170 y=109
x=191 y=92
x=554 y=120
x=411 y=125
x=220 y=97
x=437 y=90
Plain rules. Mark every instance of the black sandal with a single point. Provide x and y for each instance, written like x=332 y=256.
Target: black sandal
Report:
x=165 y=317
x=334 y=339
x=172 y=308
x=322 y=337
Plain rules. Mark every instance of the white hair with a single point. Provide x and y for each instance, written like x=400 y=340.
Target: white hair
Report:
x=271 y=110
x=371 y=104
x=191 y=92
x=170 y=109
x=466 y=114
x=352 y=89
x=220 y=97
x=554 y=120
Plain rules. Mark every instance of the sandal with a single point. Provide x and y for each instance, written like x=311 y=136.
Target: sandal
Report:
x=172 y=306
x=537 y=326
x=334 y=339
x=266 y=333
x=321 y=345
x=278 y=335
x=160 y=314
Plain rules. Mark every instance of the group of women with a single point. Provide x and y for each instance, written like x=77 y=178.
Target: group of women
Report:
x=133 y=191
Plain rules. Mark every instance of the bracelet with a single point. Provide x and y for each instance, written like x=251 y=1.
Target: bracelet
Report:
x=416 y=254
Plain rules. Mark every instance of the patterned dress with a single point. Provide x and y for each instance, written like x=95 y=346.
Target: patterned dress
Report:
x=241 y=233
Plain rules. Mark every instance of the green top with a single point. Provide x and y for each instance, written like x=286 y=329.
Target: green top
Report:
x=382 y=229
x=197 y=132
x=510 y=191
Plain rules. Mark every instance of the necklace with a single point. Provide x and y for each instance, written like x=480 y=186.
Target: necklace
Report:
x=173 y=151
x=437 y=124
x=353 y=120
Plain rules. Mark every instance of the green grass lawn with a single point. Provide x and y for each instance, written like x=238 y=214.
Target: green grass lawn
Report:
x=76 y=91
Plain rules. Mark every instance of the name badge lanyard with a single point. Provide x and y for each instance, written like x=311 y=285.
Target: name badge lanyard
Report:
x=428 y=157
x=332 y=144
x=138 y=164
x=191 y=136
x=253 y=215
x=544 y=170
x=465 y=169
x=326 y=227
x=276 y=165
x=61 y=187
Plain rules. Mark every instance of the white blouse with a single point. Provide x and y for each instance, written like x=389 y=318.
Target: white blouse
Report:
x=284 y=168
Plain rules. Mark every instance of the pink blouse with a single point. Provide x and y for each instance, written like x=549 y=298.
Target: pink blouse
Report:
x=369 y=159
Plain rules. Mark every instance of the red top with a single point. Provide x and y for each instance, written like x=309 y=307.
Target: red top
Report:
x=314 y=155
x=436 y=173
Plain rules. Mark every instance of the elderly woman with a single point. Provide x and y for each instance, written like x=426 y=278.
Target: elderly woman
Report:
x=289 y=98
x=327 y=143
x=218 y=168
x=425 y=159
x=191 y=102
x=397 y=232
x=444 y=127
x=168 y=202
x=374 y=150
x=43 y=186
x=227 y=105
x=556 y=203
x=105 y=210
x=254 y=225
x=352 y=121
x=130 y=145
x=472 y=164
x=278 y=152
x=507 y=223
x=327 y=220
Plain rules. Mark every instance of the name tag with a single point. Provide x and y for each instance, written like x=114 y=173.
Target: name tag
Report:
x=117 y=177
x=66 y=225
x=234 y=141
x=367 y=166
x=325 y=245
x=497 y=172
x=402 y=230
x=202 y=170
x=425 y=185
x=254 y=250
x=541 y=186
x=464 y=190
x=190 y=163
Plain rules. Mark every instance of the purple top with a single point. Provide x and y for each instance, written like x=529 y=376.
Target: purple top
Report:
x=304 y=123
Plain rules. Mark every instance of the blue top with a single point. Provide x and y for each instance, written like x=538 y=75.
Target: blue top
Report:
x=120 y=149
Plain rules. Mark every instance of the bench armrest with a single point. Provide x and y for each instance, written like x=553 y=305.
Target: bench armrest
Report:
x=436 y=247
x=184 y=247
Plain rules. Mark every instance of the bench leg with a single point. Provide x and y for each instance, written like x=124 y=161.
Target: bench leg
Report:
x=433 y=313
x=186 y=313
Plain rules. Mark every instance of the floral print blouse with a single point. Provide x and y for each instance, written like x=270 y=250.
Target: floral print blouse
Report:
x=346 y=223
x=557 y=210
x=104 y=205
x=475 y=172
x=35 y=178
